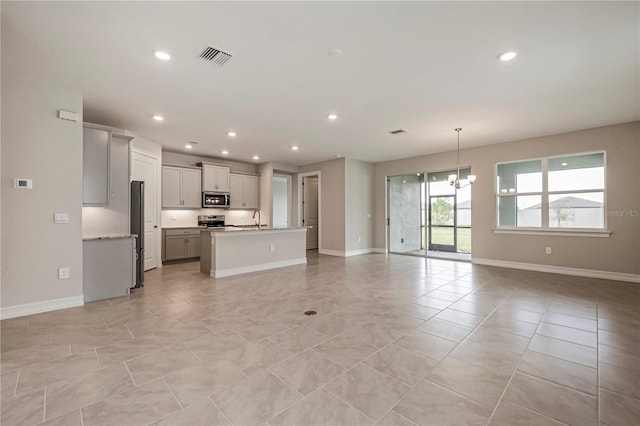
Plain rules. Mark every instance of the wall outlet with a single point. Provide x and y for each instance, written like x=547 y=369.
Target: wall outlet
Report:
x=359 y=239
x=63 y=273
x=547 y=250
x=401 y=240
x=272 y=247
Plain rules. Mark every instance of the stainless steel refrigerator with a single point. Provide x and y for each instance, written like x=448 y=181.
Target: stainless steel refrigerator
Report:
x=137 y=228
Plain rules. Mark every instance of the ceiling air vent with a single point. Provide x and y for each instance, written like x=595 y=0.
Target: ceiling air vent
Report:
x=215 y=55
x=397 y=132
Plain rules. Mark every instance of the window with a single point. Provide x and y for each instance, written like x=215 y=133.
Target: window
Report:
x=552 y=193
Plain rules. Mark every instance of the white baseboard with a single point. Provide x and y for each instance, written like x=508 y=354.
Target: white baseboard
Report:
x=346 y=253
x=591 y=273
x=380 y=250
x=219 y=273
x=39 y=307
x=358 y=252
x=331 y=252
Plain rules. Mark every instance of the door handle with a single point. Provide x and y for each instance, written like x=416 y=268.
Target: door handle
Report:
x=155 y=226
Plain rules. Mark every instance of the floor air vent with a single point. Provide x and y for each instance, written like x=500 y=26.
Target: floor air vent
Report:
x=217 y=56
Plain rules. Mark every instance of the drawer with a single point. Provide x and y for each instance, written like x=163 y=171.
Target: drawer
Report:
x=181 y=232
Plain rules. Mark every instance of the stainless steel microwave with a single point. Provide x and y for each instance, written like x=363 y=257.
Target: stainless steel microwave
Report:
x=216 y=200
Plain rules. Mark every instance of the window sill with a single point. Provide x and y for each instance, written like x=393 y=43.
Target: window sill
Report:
x=597 y=233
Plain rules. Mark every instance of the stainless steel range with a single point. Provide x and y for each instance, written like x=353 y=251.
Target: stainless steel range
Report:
x=213 y=221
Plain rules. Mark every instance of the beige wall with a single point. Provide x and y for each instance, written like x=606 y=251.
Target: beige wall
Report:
x=359 y=205
x=618 y=253
x=38 y=145
x=332 y=202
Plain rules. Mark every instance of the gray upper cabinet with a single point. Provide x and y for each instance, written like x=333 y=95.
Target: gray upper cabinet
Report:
x=105 y=170
x=181 y=187
x=95 y=165
x=215 y=178
x=244 y=191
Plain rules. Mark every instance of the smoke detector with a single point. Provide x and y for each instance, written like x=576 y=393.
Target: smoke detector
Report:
x=215 y=55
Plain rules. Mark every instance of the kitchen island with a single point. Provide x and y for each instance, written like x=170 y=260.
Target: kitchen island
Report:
x=226 y=252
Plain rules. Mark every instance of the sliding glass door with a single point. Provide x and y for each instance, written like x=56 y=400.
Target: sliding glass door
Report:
x=428 y=214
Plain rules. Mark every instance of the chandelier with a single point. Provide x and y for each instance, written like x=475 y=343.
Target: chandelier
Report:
x=455 y=179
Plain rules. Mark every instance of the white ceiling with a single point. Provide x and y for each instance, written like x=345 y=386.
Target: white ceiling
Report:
x=427 y=67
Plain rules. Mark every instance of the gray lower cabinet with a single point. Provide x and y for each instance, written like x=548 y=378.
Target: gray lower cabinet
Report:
x=180 y=243
x=108 y=267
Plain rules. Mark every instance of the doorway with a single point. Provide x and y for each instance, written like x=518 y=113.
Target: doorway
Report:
x=281 y=189
x=145 y=168
x=429 y=217
x=309 y=195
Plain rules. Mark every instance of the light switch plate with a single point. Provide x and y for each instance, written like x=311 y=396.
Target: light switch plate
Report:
x=61 y=218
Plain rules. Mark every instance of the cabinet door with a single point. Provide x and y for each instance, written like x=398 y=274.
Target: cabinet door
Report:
x=191 y=193
x=119 y=187
x=235 y=191
x=222 y=179
x=208 y=177
x=250 y=192
x=95 y=166
x=215 y=178
x=193 y=246
x=171 y=186
x=174 y=248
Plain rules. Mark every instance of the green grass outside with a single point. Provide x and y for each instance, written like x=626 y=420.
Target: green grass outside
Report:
x=445 y=236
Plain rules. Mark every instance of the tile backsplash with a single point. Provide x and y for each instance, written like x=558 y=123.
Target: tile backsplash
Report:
x=184 y=218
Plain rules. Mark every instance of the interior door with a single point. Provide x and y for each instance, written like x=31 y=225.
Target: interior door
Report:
x=145 y=168
x=310 y=210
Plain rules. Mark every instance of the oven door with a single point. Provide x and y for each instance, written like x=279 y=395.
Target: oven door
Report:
x=215 y=200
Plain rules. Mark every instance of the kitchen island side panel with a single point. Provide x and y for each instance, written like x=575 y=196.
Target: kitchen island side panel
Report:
x=234 y=253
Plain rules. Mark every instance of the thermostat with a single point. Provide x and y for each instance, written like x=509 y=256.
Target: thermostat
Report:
x=20 y=183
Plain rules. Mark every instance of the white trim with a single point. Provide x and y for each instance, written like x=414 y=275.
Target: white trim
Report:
x=592 y=273
x=380 y=250
x=559 y=233
x=39 y=307
x=347 y=253
x=358 y=252
x=256 y=268
x=331 y=252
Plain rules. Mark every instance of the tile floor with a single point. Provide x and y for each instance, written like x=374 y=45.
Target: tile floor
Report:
x=397 y=340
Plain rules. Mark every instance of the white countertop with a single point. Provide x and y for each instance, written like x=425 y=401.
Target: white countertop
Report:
x=237 y=229
x=107 y=237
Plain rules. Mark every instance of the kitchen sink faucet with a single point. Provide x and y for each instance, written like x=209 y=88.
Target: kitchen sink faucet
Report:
x=259 y=220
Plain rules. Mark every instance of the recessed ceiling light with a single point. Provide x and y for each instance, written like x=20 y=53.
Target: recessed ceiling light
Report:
x=332 y=117
x=225 y=152
x=507 y=56
x=255 y=157
x=190 y=144
x=164 y=56
x=232 y=134
x=294 y=148
x=158 y=117
x=564 y=164
x=335 y=52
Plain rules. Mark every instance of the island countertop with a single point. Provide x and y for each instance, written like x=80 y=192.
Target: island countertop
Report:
x=233 y=229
